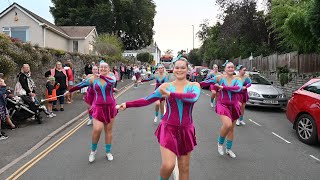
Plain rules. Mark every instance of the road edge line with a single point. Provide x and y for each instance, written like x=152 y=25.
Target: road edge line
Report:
x=49 y=137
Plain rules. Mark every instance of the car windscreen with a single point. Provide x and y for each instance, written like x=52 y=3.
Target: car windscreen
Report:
x=257 y=79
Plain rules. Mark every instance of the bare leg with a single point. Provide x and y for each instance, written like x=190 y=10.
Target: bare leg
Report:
x=168 y=162
x=184 y=166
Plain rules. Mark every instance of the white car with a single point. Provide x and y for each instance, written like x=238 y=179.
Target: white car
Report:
x=263 y=93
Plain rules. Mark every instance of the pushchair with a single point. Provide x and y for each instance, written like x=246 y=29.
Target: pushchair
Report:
x=21 y=108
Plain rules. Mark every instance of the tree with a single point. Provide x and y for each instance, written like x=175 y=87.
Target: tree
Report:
x=314 y=19
x=107 y=44
x=145 y=57
x=290 y=22
x=132 y=21
x=194 y=57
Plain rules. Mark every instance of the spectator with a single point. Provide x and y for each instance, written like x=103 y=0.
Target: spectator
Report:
x=88 y=69
x=61 y=77
x=116 y=74
x=122 y=71
x=70 y=73
x=51 y=94
x=4 y=115
x=25 y=87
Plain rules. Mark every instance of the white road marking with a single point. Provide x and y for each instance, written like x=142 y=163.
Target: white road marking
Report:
x=254 y=122
x=315 y=158
x=176 y=171
x=281 y=138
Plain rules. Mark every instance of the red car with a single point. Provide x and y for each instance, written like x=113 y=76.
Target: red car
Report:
x=303 y=110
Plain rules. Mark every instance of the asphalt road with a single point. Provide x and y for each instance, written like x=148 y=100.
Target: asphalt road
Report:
x=266 y=148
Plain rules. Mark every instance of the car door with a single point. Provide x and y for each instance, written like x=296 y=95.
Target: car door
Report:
x=313 y=99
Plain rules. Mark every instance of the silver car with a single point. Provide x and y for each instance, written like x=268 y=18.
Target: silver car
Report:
x=263 y=93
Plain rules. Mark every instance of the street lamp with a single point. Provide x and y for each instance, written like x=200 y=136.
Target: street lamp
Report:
x=192 y=36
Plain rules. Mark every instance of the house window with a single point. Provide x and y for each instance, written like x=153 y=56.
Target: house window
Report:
x=75 y=46
x=21 y=33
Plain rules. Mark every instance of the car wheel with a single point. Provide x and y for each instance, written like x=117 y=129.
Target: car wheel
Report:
x=306 y=129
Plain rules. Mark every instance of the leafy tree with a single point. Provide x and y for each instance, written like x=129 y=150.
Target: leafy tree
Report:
x=107 y=44
x=132 y=21
x=314 y=19
x=145 y=57
x=194 y=57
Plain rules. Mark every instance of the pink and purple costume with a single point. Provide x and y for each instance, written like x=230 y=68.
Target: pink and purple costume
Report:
x=243 y=96
x=176 y=131
x=227 y=102
x=103 y=105
x=159 y=81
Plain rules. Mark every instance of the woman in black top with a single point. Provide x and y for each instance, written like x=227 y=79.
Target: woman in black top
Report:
x=62 y=78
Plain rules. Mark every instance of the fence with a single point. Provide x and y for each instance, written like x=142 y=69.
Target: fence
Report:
x=300 y=64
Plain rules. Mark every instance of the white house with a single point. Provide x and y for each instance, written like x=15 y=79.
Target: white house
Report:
x=153 y=49
x=18 y=22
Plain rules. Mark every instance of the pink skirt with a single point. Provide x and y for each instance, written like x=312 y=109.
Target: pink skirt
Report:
x=103 y=113
x=232 y=111
x=179 y=139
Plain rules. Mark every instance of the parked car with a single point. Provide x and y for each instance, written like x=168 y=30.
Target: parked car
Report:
x=303 y=111
x=263 y=93
x=198 y=77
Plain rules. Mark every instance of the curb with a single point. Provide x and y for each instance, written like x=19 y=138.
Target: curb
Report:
x=50 y=136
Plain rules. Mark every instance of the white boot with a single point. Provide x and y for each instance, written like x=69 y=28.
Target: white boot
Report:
x=230 y=153
x=238 y=123
x=155 y=119
x=109 y=156
x=92 y=156
x=220 y=149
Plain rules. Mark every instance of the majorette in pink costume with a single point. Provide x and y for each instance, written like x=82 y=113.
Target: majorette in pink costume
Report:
x=103 y=103
x=176 y=131
x=227 y=102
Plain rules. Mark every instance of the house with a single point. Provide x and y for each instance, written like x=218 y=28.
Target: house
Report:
x=153 y=49
x=18 y=22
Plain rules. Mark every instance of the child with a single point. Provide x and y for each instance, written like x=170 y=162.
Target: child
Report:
x=84 y=90
x=51 y=94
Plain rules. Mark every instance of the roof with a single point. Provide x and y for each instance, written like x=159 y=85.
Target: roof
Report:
x=68 y=31
x=77 y=31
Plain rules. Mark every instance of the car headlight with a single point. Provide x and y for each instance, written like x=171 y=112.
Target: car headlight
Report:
x=254 y=94
x=281 y=96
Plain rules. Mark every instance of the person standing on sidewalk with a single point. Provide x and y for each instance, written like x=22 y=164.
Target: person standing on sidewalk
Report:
x=103 y=109
x=122 y=71
x=61 y=77
x=116 y=74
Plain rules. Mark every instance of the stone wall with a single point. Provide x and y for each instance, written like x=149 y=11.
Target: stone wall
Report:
x=297 y=81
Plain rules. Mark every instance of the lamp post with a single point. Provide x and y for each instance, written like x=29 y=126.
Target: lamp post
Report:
x=250 y=59
x=192 y=36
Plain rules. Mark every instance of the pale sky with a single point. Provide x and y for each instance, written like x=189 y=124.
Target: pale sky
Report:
x=173 y=21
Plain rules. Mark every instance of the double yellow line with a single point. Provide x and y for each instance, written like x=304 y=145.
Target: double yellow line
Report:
x=33 y=161
x=45 y=152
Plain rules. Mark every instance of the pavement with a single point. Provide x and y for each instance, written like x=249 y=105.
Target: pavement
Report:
x=266 y=148
x=27 y=135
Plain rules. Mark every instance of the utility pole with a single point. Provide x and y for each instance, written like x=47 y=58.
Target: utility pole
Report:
x=192 y=36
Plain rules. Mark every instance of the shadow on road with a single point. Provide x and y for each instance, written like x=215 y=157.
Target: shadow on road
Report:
x=265 y=109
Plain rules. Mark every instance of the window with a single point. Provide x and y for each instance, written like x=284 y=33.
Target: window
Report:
x=314 y=87
x=75 y=46
x=21 y=33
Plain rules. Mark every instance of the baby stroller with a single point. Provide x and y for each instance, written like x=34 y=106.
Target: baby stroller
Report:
x=22 y=107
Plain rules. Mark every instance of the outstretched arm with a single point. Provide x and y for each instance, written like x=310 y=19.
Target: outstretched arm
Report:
x=237 y=87
x=156 y=95
x=149 y=79
x=81 y=85
x=248 y=82
x=109 y=79
x=208 y=82
x=192 y=95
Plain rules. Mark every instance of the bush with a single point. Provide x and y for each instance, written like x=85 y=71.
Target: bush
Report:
x=7 y=65
x=284 y=75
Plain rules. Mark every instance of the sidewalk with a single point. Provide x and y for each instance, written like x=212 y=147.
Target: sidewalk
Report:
x=26 y=136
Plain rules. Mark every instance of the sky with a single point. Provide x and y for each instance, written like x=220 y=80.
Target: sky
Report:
x=173 y=21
